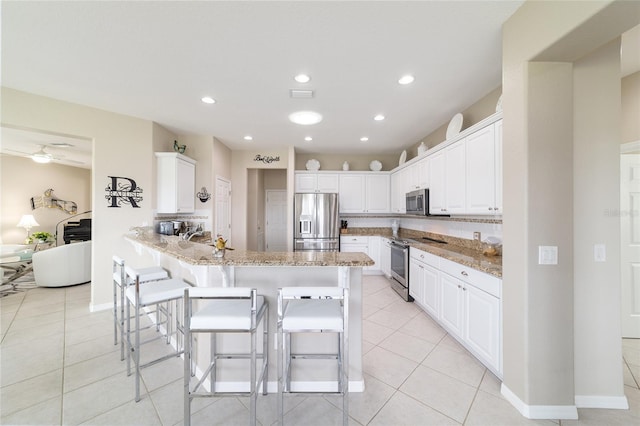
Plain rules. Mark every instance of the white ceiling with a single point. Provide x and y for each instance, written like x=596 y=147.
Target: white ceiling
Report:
x=155 y=60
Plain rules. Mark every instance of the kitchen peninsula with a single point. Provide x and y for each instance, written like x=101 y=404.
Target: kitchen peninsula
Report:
x=268 y=271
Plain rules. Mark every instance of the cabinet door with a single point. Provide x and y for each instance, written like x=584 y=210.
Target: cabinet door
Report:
x=423 y=173
x=437 y=189
x=385 y=257
x=497 y=208
x=482 y=325
x=430 y=290
x=377 y=194
x=480 y=172
x=455 y=180
x=186 y=186
x=352 y=193
x=327 y=182
x=451 y=304
x=398 y=191
x=373 y=251
x=306 y=182
x=416 y=285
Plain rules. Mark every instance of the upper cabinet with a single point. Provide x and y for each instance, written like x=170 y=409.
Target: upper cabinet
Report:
x=176 y=182
x=466 y=176
x=364 y=193
x=317 y=182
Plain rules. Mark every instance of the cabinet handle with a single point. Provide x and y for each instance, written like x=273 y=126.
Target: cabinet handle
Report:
x=464 y=273
x=464 y=289
x=459 y=286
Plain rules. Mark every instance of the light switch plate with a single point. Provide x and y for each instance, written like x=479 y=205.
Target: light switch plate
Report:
x=547 y=255
x=600 y=253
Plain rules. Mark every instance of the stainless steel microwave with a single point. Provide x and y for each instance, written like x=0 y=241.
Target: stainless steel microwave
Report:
x=417 y=203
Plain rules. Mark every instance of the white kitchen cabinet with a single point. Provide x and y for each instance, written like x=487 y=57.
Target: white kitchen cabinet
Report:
x=455 y=180
x=424 y=284
x=497 y=208
x=418 y=175
x=317 y=182
x=471 y=311
x=385 y=257
x=176 y=183
x=362 y=244
x=451 y=304
x=482 y=170
x=364 y=193
x=437 y=188
x=399 y=190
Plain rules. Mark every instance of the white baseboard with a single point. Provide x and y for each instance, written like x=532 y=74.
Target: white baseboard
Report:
x=100 y=307
x=610 y=402
x=563 y=412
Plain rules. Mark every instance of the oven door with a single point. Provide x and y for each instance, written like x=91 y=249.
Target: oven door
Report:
x=399 y=263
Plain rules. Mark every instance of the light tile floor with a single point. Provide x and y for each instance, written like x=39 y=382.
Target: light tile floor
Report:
x=59 y=366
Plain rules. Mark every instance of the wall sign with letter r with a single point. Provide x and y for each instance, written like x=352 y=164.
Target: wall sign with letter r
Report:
x=123 y=190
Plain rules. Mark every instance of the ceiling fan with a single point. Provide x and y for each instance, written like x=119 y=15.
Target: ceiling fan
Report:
x=42 y=156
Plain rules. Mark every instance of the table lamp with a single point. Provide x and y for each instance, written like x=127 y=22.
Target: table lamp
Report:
x=27 y=222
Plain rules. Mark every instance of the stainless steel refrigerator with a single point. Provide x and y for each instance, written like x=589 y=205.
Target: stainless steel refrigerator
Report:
x=316 y=222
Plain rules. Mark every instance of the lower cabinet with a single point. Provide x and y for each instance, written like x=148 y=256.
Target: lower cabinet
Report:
x=466 y=302
x=363 y=244
x=385 y=257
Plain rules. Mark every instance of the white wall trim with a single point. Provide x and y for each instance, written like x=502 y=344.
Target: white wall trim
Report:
x=563 y=412
x=602 y=401
x=100 y=307
x=630 y=147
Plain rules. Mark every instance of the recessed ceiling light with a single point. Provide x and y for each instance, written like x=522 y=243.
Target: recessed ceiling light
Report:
x=379 y=117
x=248 y=138
x=302 y=78
x=208 y=100
x=406 y=79
x=364 y=139
x=305 y=118
x=308 y=138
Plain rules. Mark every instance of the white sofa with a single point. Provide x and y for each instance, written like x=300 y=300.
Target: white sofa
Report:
x=61 y=266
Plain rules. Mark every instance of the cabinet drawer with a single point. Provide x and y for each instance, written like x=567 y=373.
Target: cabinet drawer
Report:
x=353 y=239
x=480 y=280
x=424 y=257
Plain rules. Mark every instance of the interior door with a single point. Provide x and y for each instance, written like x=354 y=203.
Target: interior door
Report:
x=276 y=220
x=630 y=241
x=223 y=209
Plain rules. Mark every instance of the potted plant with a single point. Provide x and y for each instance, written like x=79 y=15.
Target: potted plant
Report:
x=40 y=237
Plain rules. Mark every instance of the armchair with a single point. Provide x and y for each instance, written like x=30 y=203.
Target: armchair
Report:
x=62 y=266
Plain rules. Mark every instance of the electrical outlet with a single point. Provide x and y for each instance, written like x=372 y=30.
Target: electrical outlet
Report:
x=476 y=236
x=547 y=255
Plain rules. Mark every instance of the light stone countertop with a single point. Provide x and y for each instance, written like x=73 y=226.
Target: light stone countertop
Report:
x=464 y=252
x=202 y=254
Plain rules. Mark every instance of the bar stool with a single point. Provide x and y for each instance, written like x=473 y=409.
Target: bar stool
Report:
x=224 y=310
x=151 y=294
x=152 y=273
x=313 y=310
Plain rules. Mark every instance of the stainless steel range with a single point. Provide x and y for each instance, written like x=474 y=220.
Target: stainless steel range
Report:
x=400 y=268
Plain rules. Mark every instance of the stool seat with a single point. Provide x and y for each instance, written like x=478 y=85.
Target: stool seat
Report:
x=153 y=292
x=152 y=273
x=225 y=315
x=313 y=315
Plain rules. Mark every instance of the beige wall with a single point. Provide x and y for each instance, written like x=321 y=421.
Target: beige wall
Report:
x=477 y=112
x=122 y=146
x=242 y=162
x=546 y=189
x=22 y=178
x=631 y=108
x=275 y=179
x=356 y=162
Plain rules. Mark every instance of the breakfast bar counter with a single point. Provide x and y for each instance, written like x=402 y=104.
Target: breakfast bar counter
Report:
x=267 y=271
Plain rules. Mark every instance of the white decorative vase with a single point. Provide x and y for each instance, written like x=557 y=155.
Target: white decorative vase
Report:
x=421 y=148
x=345 y=166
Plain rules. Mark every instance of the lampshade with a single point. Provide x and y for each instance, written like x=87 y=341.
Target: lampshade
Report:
x=27 y=221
